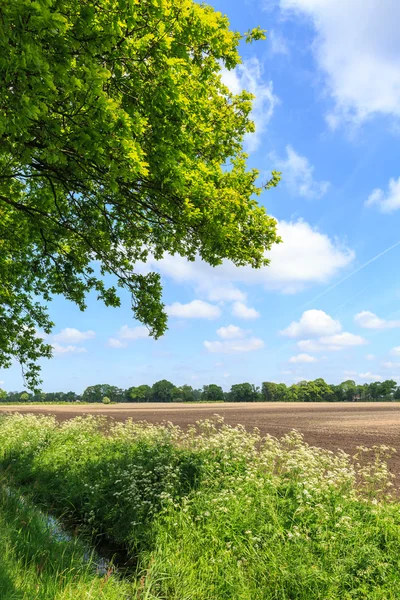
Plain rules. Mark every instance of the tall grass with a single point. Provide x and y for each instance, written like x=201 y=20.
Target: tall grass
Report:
x=35 y=564
x=215 y=512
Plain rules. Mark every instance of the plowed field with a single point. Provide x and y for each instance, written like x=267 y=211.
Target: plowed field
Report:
x=328 y=425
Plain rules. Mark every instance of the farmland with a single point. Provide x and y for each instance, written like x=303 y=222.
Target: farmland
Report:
x=214 y=511
x=328 y=425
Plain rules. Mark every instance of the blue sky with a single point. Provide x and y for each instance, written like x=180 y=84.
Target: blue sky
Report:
x=327 y=113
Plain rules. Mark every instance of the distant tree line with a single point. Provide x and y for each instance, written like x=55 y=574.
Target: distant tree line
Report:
x=165 y=391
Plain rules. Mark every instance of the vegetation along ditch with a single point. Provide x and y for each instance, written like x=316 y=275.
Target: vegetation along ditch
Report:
x=210 y=512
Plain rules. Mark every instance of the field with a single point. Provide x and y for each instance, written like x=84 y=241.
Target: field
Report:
x=328 y=425
x=214 y=511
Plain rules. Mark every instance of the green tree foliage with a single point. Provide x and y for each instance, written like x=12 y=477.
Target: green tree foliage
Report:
x=141 y=393
x=384 y=389
x=185 y=393
x=273 y=392
x=163 y=391
x=347 y=391
x=55 y=397
x=243 y=392
x=212 y=392
x=116 y=133
x=314 y=391
x=95 y=393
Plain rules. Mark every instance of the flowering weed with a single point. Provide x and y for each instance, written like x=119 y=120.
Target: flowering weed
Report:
x=215 y=512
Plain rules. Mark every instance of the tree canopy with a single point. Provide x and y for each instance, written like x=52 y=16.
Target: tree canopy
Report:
x=118 y=140
x=165 y=391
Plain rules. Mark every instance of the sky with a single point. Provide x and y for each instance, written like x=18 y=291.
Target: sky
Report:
x=327 y=114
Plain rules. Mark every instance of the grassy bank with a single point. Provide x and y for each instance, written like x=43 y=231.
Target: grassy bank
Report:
x=36 y=564
x=216 y=513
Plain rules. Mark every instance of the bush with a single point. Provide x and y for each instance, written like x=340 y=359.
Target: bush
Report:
x=106 y=400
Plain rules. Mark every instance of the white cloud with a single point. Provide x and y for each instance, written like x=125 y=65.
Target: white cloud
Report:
x=339 y=341
x=116 y=343
x=368 y=320
x=58 y=349
x=277 y=43
x=70 y=335
x=306 y=257
x=233 y=346
x=197 y=309
x=370 y=357
x=343 y=340
x=133 y=333
x=395 y=351
x=211 y=282
x=303 y=358
x=298 y=175
x=128 y=334
x=313 y=323
x=391 y=365
x=1 y=382
x=240 y=310
x=249 y=76
x=350 y=373
x=370 y=376
x=222 y=292
x=357 y=48
x=323 y=333
x=389 y=202
x=231 y=332
x=235 y=340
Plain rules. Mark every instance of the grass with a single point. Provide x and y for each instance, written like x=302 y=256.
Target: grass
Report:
x=36 y=564
x=44 y=403
x=215 y=512
x=100 y=403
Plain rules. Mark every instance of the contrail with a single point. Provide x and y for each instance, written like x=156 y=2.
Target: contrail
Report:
x=332 y=287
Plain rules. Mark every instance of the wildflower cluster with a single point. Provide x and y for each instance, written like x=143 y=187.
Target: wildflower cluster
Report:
x=215 y=511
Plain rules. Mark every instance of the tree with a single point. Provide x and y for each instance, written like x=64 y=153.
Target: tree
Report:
x=163 y=391
x=71 y=397
x=273 y=392
x=212 y=392
x=3 y=395
x=116 y=131
x=197 y=394
x=13 y=397
x=243 y=392
x=347 y=391
x=142 y=393
x=292 y=393
x=387 y=389
x=349 y=388
x=95 y=393
x=24 y=397
x=314 y=391
x=186 y=393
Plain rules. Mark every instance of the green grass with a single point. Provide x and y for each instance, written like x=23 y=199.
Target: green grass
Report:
x=36 y=565
x=216 y=513
x=32 y=403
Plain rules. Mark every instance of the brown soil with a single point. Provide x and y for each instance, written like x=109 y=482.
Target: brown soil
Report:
x=328 y=425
